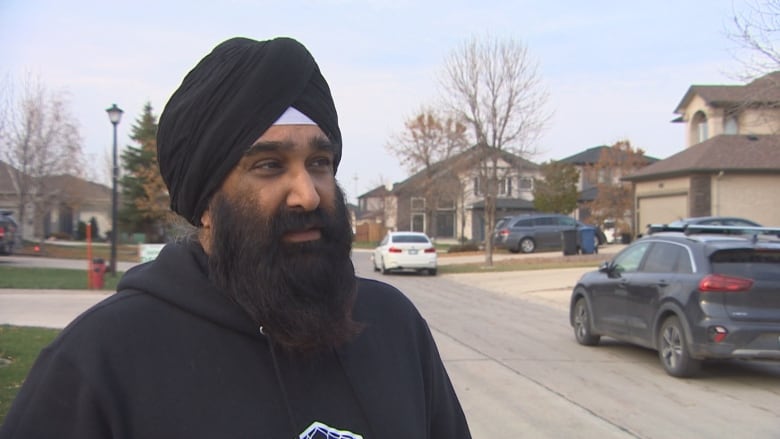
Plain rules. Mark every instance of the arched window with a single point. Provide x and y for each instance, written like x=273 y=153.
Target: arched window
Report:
x=699 y=132
x=730 y=125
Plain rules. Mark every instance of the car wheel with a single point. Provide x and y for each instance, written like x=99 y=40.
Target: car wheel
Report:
x=383 y=269
x=527 y=245
x=375 y=267
x=582 y=324
x=673 y=350
x=432 y=272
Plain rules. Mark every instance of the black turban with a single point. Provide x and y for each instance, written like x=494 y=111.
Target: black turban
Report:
x=227 y=102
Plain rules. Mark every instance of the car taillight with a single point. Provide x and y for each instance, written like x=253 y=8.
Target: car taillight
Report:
x=2 y=232
x=394 y=250
x=723 y=283
x=717 y=334
x=504 y=232
x=430 y=250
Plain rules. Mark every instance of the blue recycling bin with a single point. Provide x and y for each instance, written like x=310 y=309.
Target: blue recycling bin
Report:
x=587 y=240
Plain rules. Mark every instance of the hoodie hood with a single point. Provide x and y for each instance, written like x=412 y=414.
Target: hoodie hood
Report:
x=179 y=276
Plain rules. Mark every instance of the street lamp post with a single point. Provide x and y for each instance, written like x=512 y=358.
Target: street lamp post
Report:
x=114 y=115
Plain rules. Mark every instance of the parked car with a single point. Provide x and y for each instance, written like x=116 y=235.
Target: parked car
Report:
x=528 y=233
x=8 y=229
x=704 y=294
x=400 y=251
x=680 y=224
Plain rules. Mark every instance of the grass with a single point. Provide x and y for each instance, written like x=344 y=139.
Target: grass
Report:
x=19 y=347
x=50 y=278
x=125 y=253
x=521 y=264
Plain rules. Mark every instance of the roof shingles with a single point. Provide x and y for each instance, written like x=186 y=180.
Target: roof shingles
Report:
x=720 y=153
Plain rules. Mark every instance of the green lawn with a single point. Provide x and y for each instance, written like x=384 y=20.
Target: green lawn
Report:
x=50 y=278
x=19 y=347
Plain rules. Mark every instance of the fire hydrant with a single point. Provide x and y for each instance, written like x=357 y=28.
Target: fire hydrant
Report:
x=98 y=273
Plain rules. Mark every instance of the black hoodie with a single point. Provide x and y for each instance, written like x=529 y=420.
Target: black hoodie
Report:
x=168 y=356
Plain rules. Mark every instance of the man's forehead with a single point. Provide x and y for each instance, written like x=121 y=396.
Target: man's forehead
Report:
x=291 y=136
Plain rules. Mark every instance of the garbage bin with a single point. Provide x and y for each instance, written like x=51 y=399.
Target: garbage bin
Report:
x=569 y=241
x=587 y=240
x=98 y=273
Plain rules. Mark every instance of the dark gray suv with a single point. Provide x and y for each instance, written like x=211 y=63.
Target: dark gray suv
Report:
x=710 y=292
x=528 y=233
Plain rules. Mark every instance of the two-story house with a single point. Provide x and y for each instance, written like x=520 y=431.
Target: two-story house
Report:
x=731 y=163
x=587 y=185
x=446 y=201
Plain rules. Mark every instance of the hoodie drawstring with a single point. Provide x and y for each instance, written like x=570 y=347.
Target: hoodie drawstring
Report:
x=285 y=397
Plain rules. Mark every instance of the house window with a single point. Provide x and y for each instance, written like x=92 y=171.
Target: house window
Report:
x=418 y=222
x=445 y=225
x=477 y=186
x=730 y=126
x=445 y=204
x=418 y=203
x=505 y=187
x=702 y=127
x=526 y=184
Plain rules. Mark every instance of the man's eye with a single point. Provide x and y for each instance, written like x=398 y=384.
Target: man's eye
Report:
x=322 y=162
x=266 y=164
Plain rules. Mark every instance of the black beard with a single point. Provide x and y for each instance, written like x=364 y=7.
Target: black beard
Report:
x=301 y=294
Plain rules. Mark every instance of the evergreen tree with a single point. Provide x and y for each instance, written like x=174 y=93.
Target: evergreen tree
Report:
x=556 y=191
x=145 y=202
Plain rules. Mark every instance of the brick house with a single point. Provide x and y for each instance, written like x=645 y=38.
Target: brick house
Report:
x=731 y=163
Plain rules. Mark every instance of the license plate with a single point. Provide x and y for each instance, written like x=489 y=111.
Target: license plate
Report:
x=412 y=252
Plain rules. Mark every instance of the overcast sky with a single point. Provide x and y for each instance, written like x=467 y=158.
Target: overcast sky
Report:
x=614 y=69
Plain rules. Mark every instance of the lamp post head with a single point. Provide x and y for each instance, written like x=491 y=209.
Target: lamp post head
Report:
x=114 y=114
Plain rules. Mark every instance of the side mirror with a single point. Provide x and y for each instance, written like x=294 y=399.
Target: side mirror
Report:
x=606 y=267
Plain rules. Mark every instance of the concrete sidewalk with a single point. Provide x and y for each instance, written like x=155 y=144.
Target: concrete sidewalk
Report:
x=46 y=308
x=548 y=287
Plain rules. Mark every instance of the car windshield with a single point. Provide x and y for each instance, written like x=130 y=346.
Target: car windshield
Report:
x=410 y=239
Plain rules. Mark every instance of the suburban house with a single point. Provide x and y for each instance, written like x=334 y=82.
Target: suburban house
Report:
x=731 y=163
x=69 y=200
x=446 y=201
x=587 y=186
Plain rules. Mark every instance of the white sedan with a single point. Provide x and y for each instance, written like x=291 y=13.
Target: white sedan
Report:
x=405 y=251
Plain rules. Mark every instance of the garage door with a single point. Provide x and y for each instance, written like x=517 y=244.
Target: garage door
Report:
x=661 y=210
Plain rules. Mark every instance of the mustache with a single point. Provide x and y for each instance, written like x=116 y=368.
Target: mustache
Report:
x=287 y=220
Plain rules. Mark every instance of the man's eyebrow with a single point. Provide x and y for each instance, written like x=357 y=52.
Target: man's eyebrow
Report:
x=317 y=143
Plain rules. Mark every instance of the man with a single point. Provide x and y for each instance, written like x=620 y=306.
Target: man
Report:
x=255 y=326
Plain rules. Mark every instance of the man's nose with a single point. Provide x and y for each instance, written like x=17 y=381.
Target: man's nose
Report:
x=303 y=192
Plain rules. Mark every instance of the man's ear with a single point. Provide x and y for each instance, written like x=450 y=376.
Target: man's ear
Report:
x=205 y=219
x=204 y=231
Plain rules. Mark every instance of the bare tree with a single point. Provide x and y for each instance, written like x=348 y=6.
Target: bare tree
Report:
x=494 y=86
x=39 y=140
x=756 y=30
x=428 y=140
